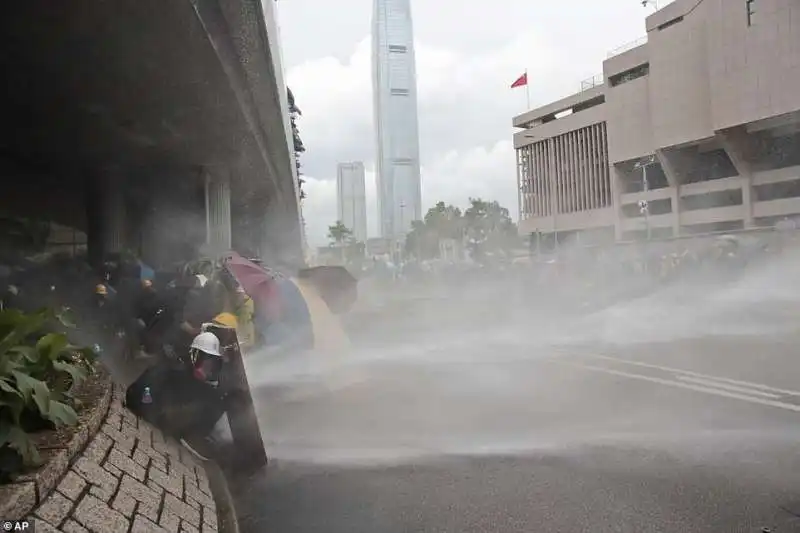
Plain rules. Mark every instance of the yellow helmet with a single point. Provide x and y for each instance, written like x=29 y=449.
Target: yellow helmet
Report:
x=226 y=319
x=100 y=289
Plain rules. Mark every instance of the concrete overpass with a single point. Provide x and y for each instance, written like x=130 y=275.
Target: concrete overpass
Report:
x=151 y=125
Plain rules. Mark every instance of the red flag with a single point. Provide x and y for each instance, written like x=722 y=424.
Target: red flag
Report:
x=522 y=80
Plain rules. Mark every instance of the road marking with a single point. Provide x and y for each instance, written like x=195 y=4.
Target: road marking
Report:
x=725 y=386
x=682 y=385
x=766 y=388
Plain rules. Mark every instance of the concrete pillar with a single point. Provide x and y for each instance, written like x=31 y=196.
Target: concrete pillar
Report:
x=218 y=210
x=738 y=147
x=673 y=177
x=616 y=192
x=105 y=213
x=113 y=213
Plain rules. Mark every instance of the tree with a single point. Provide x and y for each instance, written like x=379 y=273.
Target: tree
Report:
x=339 y=233
x=489 y=227
x=442 y=221
x=299 y=147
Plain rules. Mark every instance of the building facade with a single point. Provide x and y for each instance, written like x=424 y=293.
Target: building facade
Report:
x=351 y=198
x=394 y=93
x=695 y=130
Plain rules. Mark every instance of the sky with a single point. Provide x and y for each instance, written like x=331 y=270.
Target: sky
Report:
x=468 y=53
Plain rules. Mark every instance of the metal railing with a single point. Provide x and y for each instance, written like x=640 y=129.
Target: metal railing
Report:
x=627 y=46
x=594 y=81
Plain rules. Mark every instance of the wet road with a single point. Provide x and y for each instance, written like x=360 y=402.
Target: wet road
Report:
x=514 y=429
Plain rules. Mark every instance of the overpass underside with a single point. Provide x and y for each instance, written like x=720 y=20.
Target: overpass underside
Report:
x=157 y=127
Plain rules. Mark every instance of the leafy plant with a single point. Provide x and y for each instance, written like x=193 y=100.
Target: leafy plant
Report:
x=39 y=370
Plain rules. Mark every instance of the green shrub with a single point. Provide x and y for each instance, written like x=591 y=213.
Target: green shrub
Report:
x=39 y=370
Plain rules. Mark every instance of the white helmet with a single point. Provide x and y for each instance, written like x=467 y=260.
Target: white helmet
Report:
x=208 y=343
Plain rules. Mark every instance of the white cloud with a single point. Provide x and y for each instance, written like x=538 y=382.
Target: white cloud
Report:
x=335 y=98
x=453 y=178
x=463 y=76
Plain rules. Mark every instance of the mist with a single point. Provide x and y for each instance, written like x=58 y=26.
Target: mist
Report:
x=443 y=368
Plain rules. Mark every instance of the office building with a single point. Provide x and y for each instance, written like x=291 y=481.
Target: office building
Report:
x=394 y=94
x=694 y=130
x=352 y=199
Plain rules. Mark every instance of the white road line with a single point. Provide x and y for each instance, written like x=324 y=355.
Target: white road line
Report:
x=682 y=385
x=758 y=386
x=726 y=386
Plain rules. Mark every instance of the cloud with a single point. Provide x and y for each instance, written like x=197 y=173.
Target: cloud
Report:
x=463 y=76
x=461 y=154
x=453 y=178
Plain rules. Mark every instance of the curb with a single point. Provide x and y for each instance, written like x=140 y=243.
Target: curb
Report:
x=19 y=498
x=226 y=510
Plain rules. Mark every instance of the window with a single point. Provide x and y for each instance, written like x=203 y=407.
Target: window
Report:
x=629 y=75
x=397 y=48
x=750 y=11
x=670 y=23
x=399 y=92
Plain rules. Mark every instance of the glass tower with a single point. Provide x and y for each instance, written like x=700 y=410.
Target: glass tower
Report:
x=394 y=95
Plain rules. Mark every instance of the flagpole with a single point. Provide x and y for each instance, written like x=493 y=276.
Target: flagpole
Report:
x=527 y=90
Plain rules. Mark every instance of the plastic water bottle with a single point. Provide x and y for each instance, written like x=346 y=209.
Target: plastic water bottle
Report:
x=147 y=398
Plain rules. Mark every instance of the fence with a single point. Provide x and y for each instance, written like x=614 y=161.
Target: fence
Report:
x=627 y=46
x=592 y=82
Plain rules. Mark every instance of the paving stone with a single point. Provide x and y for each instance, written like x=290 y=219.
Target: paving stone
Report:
x=129 y=418
x=182 y=509
x=114 y=419
x=71 y=485
x=124 y=503
x=209 y=529
x=186 y=527
x=123 y=441
x=71 y=526
x=55 y=508
x=113 y=470
x=43 y=526
x=144 y=433
x=140 y=492
x=97 y=449
x=210 y=516
x=172 y=483
x=126 y=464
x=169 y=448
x=169 y=520
x=156 y=458
x=202 y=482
x=191 y=501
x=142 y=524
x=104 y=484
x=178 y=468
x=98 y=517
x=199 y=496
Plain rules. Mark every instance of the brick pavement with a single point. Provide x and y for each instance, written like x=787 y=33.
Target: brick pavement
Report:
x=130 y=478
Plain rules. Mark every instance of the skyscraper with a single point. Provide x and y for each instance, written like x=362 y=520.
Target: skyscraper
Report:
x=394 y=95
x=352 y=199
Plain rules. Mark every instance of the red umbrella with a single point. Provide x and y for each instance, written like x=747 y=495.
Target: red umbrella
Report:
x=257 y=282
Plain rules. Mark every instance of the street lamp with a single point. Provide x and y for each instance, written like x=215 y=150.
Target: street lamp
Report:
x=402 y=228
x=644 y=207
x=651 y=3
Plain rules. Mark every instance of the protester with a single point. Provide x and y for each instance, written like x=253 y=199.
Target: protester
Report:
x=187 y=401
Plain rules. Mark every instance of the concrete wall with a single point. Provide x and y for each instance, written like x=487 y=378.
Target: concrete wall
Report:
x=754 y=71
x=712 y=79
x=679 y=79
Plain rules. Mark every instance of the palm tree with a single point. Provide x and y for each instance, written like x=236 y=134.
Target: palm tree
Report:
x=339 y=233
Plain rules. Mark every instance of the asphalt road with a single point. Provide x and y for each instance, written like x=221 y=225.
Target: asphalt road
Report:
x=677 y=412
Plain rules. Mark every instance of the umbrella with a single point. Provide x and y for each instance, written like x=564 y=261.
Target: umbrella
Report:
x=291 y=308
x=335 y=284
